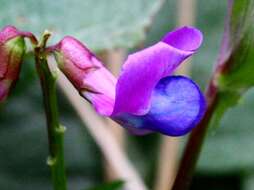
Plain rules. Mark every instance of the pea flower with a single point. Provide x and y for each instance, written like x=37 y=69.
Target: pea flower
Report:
x=146 y=97
x=12 y=49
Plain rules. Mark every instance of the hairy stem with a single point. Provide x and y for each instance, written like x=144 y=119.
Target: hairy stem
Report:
x=55 y=130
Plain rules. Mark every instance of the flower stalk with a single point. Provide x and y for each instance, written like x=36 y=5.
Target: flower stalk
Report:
x=55 y=130
x=195 y=142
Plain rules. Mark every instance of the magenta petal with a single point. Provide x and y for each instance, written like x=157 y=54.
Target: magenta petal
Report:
x=6 y=33
x=143 y=70
x=87 y=73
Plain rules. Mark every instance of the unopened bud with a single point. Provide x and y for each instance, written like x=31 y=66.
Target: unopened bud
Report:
x=12 y=49
x=86 y=72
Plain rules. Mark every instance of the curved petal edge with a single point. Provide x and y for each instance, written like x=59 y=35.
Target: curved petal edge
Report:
x=143 y=70
x=177 y=107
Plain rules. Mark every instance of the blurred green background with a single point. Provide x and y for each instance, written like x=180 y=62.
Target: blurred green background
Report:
x=227 y=159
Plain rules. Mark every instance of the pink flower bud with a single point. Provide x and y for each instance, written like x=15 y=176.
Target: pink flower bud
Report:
x=87 y=73
x=12 y=49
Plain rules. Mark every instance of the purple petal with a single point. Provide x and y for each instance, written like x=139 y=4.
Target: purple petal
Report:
x=179 y=37
x=143 y=70
x=177 y=105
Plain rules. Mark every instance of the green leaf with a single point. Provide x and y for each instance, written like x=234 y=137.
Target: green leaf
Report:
x=239 y=66
x=225 y=100
x=100 y=24
x=236 y=60
x=115 y=185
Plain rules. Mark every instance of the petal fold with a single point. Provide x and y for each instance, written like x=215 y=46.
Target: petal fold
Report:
x=186 y=38
x=143 y=70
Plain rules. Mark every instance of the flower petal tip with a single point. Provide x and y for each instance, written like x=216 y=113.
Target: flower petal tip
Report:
x=186 y=38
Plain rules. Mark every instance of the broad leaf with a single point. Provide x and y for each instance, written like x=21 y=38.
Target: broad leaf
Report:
x=100 y=24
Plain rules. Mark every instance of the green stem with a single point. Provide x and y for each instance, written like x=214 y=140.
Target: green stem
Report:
x=55 y=130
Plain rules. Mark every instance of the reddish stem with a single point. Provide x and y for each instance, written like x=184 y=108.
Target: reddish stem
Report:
x=195 y=142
